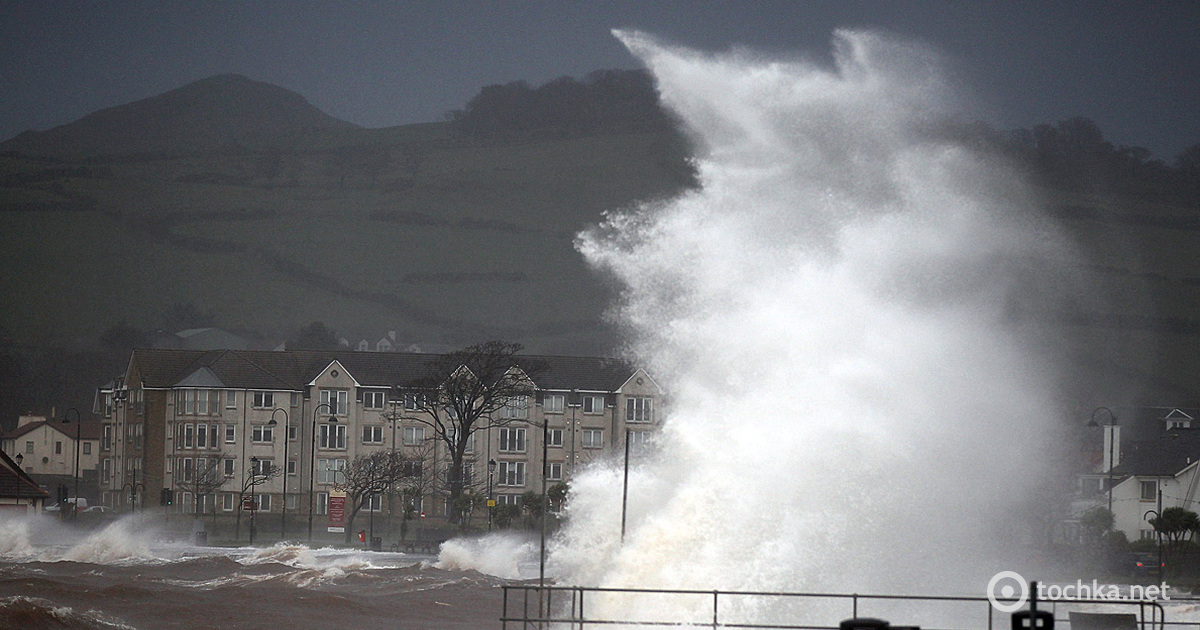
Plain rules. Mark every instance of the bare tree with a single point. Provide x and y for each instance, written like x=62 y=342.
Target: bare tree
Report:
x=367 y=476
x=202 y=481
x=462 y=393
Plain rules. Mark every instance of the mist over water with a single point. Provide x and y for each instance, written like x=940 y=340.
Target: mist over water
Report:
x=839 y=313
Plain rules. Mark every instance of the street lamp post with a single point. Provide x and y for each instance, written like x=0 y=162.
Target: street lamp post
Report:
x=253 y=504
x=78 y=433
x=287 y=428
x=491 y=499
x=1110 y=432
x=312 y=463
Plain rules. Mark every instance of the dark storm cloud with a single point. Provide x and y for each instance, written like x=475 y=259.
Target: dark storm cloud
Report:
x=1129 y=66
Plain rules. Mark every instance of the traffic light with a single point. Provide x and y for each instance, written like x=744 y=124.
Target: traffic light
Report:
x=166 y=497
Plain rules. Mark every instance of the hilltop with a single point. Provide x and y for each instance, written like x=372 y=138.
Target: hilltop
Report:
x=222 y=112
x=237 y=204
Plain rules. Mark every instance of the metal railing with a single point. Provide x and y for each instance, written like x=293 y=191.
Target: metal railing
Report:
x=575 y=607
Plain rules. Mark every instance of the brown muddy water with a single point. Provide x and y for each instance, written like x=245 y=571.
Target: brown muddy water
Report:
x=119 y=578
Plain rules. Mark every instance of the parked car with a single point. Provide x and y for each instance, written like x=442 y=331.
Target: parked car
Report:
x=99 y=509
x=1147 y=564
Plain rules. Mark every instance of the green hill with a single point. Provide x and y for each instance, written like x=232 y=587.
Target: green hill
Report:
x=223 y=112
x=245 y=204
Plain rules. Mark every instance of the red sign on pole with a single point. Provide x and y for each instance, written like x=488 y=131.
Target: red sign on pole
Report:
x=248 y=504
x=337 y=512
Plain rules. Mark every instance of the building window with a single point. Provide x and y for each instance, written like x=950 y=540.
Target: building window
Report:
x=511 y=474
x=106 y=438
x=29 y=447
x=512 y=440
x=229 y=466
x=322 y=503
x=374 y=502
x=336 y=399
x=201 y=436
x=230 y=433
x=106 y=470
x=264 y=502
x=414 y=436
x=227 y=501
x=593 y=438
x=188 y=471
x=330 y=470
x=230 y=401
x=639 y=409
x=292 y=433
x=410 y=468
x=554 y=471
x=372 y=435
x=414 y=401
x=87 y=448
x=508 y=499
x=291 y=467
x=515 y=407
x=333 y=436
x=593 y=404
x=58 y=447
x=374 y=400
x=260 y=466
x=639 y=441
x=261 y=433
x=554 y=437
x=452 y=433
x=264 y=400
x=1150 y=490
x=553 y=403
x=189 y=435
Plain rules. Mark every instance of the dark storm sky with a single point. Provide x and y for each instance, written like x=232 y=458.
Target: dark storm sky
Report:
x=1131 y=66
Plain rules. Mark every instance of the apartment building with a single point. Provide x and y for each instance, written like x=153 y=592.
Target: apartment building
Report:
x=200 y=430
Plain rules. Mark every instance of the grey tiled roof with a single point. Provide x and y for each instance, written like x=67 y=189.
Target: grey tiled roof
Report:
x=1165 y=455
x=293 y=370
x=15 y=484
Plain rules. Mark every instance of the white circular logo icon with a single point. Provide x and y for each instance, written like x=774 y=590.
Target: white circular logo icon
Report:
x=1008 y=583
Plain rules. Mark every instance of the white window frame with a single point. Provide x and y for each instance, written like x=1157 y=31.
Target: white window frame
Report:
x=554 y=471
x=512 y=440
x=554 y=403
x=264 y=400
x=376 y=434
x=592 y=438
x=413 y=436
x=336 y=400
x=332 y=437
x=262 y=434
x=510 y=474
x=593 y=405
x=374 y=399
x=639 y=409
x=554 y=438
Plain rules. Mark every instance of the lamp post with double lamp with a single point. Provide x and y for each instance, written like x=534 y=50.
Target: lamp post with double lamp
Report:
x=312 y=463
x=78 y=433
x=287 y=428
x=1110 y=435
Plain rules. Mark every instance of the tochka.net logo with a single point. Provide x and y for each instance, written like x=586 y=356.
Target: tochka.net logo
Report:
x=1008 y=592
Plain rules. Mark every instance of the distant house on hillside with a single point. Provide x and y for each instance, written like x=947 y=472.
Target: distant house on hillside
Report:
x=201 y=339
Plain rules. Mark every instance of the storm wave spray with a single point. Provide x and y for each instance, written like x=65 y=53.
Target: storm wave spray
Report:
x=840 y=312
